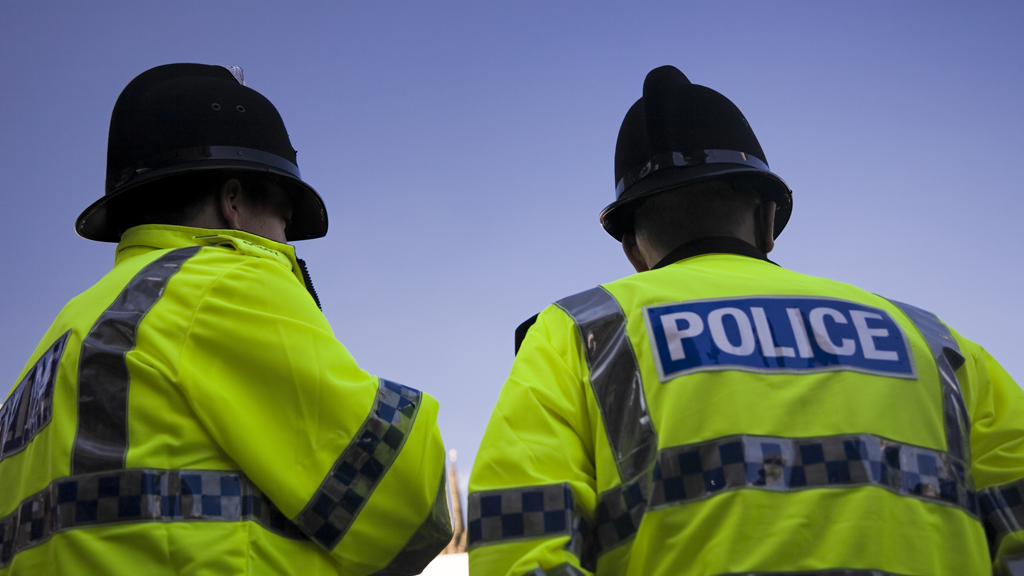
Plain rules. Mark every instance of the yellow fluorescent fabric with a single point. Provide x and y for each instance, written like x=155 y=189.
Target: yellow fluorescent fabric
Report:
x=234 y=369
x=547 y=429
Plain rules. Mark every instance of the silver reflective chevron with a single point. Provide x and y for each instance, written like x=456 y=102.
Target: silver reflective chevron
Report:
x=615 y=379
x=102 y=440
x=948 y=358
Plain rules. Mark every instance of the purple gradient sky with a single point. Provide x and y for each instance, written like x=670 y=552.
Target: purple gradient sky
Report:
x=464 y=151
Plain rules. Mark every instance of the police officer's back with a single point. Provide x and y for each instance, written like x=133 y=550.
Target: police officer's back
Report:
x=717 y=414
x=192 y=412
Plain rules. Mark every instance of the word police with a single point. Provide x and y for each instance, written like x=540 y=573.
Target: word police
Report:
x=29 y=408
x=780 y=334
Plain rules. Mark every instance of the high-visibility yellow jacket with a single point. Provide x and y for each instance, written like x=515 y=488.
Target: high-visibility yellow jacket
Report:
x=193 y=413
x=722 y=415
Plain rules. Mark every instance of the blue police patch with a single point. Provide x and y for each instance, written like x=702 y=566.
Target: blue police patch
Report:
x=29 y=407
x=776 y=335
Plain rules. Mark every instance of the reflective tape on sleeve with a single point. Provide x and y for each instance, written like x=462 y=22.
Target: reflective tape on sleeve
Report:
x=615 y=379
x=1002 y=512
x=429 y=539
x=529 y=512
x=1010 y=565
x=361 y=466
x=948 y=359
x=695 y=472
x=138 y=496
x=101 y=442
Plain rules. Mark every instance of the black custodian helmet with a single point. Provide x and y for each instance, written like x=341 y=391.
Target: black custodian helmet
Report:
x=681 y=133
x=185 y=118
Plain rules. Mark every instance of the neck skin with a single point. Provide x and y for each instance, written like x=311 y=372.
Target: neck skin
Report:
x=230 y=209
x=757 y=230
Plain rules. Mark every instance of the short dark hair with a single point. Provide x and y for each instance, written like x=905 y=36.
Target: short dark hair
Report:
x=714 y=207
x=179 y=199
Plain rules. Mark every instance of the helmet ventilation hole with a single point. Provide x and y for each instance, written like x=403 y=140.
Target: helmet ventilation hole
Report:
x=216 y=106
x=240 y=108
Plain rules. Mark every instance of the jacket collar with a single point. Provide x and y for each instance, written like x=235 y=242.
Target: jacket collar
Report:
x=143 y=239
x=712 y=245
x=148 y=237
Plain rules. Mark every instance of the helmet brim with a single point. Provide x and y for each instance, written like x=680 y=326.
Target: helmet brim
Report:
x=617 y=217
x=309 y=215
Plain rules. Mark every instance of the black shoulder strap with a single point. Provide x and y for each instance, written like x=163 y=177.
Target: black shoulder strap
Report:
x=523 y=329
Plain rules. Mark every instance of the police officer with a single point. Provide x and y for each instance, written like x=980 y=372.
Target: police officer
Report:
x=718 y=414
x=192 y=412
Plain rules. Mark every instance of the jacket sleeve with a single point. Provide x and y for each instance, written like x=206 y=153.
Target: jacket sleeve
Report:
x=996 y=405
x=532 y=490
x=354 y=461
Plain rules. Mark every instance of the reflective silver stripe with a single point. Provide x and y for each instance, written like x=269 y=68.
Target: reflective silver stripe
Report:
x=560 y=570
x=1002 y=512
x=615 y=379
x=361 y=466
x=548 y=511
x=101 y=442
x=948 y=358
x=428 y=541
x=693 y=472
x=1011 y=565
x=138 y=496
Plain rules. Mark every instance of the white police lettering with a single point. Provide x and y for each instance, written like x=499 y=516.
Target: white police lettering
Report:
x=30 y=406
x=846 y=347
x=796 y=321
x=776 y=334
x=717 y=327
x=764 y=335
x=675 y=336
x=867 y=335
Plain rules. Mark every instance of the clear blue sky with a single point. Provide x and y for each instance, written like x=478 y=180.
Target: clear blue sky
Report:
x=464 y=151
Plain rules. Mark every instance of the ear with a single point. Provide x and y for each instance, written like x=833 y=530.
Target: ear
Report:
x=632 y=250
x=766 y=217
x=230 y=203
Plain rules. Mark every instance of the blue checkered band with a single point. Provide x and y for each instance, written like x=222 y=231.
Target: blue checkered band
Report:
x=615 y=379
x=948 y=359
x=29 y=407
x=560 y=570
x=530 y=512
x=361 y=466
x=619 y=512
x=136 y=496
x=693 y=472
x=1002 y=512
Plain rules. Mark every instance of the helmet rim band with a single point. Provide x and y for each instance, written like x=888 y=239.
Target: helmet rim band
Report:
x=201 y=154
x=683 y=159
x=611 y=216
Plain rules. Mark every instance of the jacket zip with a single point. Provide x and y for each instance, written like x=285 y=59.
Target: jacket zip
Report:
x=309 y=282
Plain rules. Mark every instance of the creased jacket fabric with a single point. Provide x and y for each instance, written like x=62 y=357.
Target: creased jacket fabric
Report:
x=722 y=415
x=193 y=412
